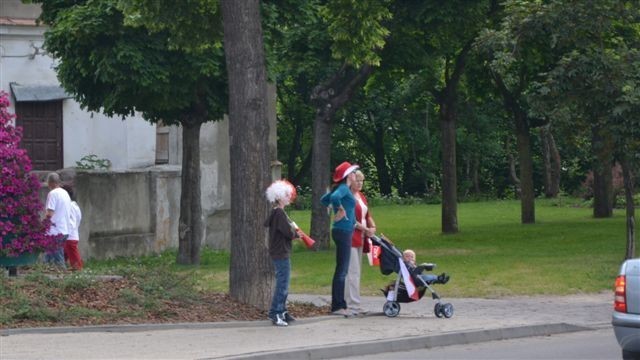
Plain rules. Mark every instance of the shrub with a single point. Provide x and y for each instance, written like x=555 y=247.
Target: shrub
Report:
x=92 y=162
x=21 y=229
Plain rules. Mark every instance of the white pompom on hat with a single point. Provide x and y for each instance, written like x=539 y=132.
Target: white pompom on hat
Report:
x=280 y=190
x=343 y=170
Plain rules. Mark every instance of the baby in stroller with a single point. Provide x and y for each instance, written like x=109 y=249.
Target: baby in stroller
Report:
x=411 y=284
x=409 y=257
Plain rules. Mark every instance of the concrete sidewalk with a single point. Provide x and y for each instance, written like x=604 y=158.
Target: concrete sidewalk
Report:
x=474 y=320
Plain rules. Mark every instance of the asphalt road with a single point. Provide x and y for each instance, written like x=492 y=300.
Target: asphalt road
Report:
x=588 y=345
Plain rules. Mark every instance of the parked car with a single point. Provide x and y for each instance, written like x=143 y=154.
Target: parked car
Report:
x=626 y=312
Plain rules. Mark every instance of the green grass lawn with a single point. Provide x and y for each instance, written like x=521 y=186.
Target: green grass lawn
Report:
x=566 y=251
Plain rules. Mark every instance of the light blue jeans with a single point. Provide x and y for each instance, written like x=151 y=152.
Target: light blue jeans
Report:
x=281 y=290
x=56 y=257
x=429 y=278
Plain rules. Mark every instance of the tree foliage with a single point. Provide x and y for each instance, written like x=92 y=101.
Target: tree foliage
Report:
x=357 y=29
x=119 y=69
x=191 y=25
x=596 y=78
x=116 y=60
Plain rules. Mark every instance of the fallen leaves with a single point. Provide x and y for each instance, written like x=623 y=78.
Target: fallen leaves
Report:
x=120 y=301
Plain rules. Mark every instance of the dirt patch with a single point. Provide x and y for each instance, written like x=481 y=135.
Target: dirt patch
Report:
x=120 y=301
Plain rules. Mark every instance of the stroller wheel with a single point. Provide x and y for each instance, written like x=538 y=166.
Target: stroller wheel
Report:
x=447 y=310
x=391 y=308
x=437 y=310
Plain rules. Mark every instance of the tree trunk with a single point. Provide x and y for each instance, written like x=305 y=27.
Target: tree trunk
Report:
x=602 y=178
x=295 y=152
x=556 y=165
x=303 y=171
x=546 y=157
x=513 y=174
x=551 y=158
x=523 y=139
x=320 y=179
x=447 y=100
x=527 y=195
x=404 y=183
x=630 y=208
x=328 y=98
x=191 y=223
x=475 y=176
x=251 y=271
x=449 y=167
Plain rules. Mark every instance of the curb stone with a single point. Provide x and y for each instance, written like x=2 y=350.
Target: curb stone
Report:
x=410 y=343
x=125 y=328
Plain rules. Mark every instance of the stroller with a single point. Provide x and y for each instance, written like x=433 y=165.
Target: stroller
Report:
x=391 y=261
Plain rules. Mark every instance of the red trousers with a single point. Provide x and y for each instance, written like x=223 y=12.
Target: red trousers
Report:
x=72 y=254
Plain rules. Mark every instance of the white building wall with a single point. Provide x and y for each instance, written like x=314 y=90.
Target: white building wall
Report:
x=16 y=64
x=127 y=144
x=141 y=141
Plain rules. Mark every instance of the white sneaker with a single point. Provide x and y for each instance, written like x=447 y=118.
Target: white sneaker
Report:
x=358 y=311
x=342 y=312
x=280 y=320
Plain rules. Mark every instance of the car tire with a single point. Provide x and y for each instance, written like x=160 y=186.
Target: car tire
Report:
x=630 y=355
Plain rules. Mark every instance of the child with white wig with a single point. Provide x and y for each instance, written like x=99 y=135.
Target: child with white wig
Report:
x=281 y=190
x=281 y=234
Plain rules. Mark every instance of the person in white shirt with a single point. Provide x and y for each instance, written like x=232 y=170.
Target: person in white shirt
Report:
x=58 y=210
x=71 y=252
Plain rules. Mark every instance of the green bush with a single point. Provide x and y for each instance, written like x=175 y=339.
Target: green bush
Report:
x=621 y=201
x=92 y=162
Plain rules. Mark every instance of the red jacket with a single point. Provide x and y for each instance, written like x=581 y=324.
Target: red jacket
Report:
x=358 y=236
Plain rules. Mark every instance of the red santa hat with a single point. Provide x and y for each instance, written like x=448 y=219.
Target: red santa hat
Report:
x=280 y=190
x=343 y=170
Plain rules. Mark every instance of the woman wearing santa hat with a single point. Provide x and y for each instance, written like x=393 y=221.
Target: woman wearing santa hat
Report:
x=343 y=203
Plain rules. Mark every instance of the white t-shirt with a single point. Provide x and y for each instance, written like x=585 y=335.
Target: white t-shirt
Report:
x=59 y=202
x=76 y=217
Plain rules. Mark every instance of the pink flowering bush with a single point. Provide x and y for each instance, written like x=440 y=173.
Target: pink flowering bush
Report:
x=21 y=229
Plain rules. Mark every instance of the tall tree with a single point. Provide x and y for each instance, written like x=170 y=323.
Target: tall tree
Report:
x=328 y=97
x=517 y=51
x=298 y=56
x=483 y=127
x=386 y=129
x=596 y=77
x=512 y=99
x=365 y=126
x=114 y=60
x=357 y=31
x=322 y=50
x=627 y=110
x=460 y=24
x=250 y=273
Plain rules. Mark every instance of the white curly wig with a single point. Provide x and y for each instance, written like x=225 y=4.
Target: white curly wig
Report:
x=280 y=190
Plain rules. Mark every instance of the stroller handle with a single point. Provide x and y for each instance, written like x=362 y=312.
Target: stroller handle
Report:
x=386 y=245
x=379 y=239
